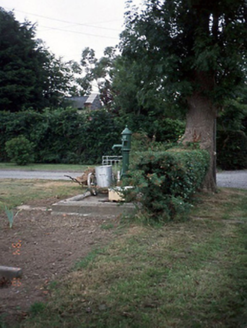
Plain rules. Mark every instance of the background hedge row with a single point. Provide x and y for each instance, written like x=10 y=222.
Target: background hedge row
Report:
x=62 y=136
x=65 y=136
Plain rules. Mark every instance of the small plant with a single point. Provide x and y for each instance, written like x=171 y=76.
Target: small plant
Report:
x=107 y=226
x=10 y=216
x=19 y=150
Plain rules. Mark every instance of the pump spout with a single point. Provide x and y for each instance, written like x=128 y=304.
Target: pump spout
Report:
x=116 y=146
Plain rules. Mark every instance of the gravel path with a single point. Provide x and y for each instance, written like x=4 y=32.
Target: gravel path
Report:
x=228 y=179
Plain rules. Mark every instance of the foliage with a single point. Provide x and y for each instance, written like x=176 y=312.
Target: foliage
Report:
x=30 y=76
x=141 y=142
x=231 y=150
x=232 y=115
x=166 y=180
x=99 y=71
x=19 y=150
x=168 y=130
x=62 y=136
x=58 y=81
x=120 y=86
x=156 y=128
x=192 y=54
x=10 y=216
x=186 y=47
x=101 y=132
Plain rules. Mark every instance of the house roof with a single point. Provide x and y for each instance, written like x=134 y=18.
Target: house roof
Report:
x=84 y=101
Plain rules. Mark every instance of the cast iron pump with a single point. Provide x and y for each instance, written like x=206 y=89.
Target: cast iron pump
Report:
x=125 y=148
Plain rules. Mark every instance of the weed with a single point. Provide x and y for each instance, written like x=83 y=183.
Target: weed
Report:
x=10 y=216
x=37 y=308
x=107 y=226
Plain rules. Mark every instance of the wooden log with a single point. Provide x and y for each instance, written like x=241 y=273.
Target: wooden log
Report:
x=9 y=273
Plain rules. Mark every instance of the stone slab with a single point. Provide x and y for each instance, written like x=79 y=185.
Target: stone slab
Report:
x=87 y=205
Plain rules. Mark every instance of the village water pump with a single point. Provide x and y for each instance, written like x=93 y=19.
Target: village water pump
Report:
x=125 y=148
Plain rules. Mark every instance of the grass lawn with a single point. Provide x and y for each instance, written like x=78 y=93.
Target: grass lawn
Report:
x=187 y=274
x=17 y=192
x=44 y=167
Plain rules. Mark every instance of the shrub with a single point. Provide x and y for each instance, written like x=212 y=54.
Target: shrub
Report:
x=62 y=135
x=231 y=150
x=166 y=181
x=19 y=150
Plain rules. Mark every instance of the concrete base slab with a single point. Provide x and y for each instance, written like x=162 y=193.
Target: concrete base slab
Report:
x=87 y=205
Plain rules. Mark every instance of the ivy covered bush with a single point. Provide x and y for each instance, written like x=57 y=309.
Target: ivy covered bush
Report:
x=231 y=150
x=165 y=181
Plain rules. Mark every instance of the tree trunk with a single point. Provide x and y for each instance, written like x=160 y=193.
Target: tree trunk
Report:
x=200 y=128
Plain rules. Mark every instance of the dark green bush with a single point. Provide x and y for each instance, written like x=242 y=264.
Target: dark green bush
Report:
x=62 y=135
x=19 y=150
x=231 y=150
x=166 y=181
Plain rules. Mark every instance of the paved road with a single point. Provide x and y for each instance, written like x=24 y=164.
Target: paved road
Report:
x=47 y=175
x=229 y=179
x=232 y=179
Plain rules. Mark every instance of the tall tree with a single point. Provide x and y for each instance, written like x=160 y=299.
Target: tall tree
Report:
x=57 y=80
x=29 y=75
x=98 y=72
x=197 y=52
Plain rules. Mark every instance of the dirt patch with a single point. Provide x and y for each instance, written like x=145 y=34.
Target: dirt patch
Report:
x=46 y=247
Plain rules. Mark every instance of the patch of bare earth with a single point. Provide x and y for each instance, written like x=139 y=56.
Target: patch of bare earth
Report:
x=46 y=247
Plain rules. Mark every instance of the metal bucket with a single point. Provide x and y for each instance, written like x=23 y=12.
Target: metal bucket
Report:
x=104 y=176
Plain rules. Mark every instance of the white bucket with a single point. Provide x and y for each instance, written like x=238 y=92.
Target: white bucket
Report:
x=104 y=176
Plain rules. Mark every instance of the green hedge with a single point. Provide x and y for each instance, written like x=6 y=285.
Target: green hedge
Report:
x=166 y=181
x=62 y=136
x=163 y=129
x=231 y=150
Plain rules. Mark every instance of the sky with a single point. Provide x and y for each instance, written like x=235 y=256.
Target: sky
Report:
x=69 y=26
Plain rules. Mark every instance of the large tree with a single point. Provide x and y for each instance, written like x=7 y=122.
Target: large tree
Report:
x=30 y=76
x=195 y=50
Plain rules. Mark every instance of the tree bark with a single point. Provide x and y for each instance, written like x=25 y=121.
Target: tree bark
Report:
x=200 y=128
